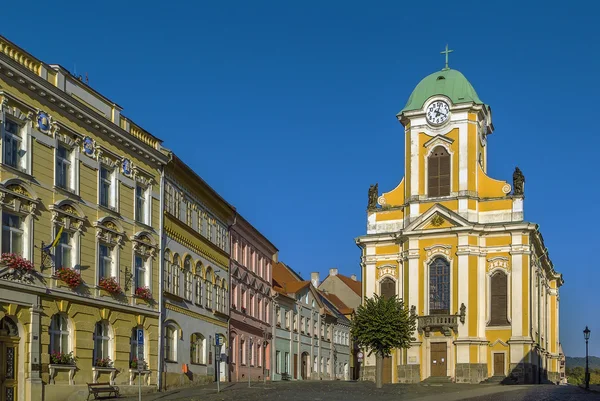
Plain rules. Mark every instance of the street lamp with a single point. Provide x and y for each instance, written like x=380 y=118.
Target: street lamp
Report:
x=586 y=335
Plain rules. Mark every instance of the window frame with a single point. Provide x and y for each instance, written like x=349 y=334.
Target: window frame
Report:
x=444 y=304
x=105 y=336
x=171 y=342
x=197 y=357
x=112 y=258
x=61 y=332
x=447 y=158
x=11 y=231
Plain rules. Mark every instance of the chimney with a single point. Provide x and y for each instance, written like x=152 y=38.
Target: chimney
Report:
x=333 y=272
x=353 y=277
x=314 y=277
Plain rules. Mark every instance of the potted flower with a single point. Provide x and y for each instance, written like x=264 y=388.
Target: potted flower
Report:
x=62 y=358
x=143 y=293
x=110 y=285
x=16 y=263
x=104 y=363
x=69 y=276
x=136 y=363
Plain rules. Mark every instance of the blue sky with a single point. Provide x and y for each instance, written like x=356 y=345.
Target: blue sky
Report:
x=283 y=107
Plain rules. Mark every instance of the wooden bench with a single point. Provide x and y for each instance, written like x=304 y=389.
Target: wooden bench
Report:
x=102 y=388
x=285 y=376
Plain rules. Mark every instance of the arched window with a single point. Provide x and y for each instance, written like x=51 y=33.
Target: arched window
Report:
x=439 y=287
x=187 y=271
x=499 y=299
x=198 y=289
x=175 y=273
x=197 y=349
x=217 y=298
x=168 y=274
x=59 y=334
x=224 y=297
x=102 y=344
x=387 y=288
x=209 y=288
x=171 y=343
x=438 y=172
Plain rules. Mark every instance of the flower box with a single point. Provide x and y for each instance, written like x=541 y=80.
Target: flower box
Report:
x=97 y=371
x=103 y=363
x=110 y=285
x=143 y=293
x=53 y=369
x=62 y=358
x=71 y=277
x=16 y=263
x=133 y=373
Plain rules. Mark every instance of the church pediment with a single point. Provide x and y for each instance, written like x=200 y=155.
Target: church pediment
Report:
x=436 y=218
x=438 y=140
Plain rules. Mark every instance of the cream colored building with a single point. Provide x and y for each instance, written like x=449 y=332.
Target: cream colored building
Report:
x=454 y=244
x=71 y=161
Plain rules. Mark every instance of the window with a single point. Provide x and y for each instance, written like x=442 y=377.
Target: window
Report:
x=107 y=191
x=224 y=298
x=250 y=354
x=101 y=342
x=12 y=234
x=316 y=365
x=217 y=298
x=104 y=261
x=140 y=204
x=12 y=144
x=209 y=289
x=198 y=289
x=197 y=349
x=187 y=284
x=59 y=334
x=168 y=272
x=133 y=352
x=243 y=348
x=171 y=343
x=438 y=172
x=63 y=167
x=251 y=306
x=140 y=271
x=286 y=362
x=175 y=273
x=387 y=288
x=439 y=287
x=278 y=362
x=295 y=327
x=499 y=299
x=63 y=253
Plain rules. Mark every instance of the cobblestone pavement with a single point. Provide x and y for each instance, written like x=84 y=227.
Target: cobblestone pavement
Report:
x=366 y=391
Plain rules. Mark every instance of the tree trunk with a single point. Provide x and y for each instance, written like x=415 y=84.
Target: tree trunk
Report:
x=378 y=370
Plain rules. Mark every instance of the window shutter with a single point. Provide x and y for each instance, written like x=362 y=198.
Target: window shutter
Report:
x=499 y=300
x=387 y=288
x=438 y=172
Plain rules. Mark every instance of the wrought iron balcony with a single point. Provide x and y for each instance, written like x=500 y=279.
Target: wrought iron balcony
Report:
x=442 y=323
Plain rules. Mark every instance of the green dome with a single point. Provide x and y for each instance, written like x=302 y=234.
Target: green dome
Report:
x=448 y=82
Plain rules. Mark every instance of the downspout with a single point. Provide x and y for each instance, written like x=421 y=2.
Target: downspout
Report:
x=229 y=346
x=161 y=276
x=274 y=337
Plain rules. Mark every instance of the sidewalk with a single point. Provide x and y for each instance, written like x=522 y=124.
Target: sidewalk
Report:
x=195 y=391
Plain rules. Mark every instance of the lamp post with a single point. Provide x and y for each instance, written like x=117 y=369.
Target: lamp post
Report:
x=586 y=335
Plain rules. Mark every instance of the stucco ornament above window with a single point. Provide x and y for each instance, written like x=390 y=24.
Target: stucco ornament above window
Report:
x=45 y=123
x=144 y=245
x=17 y=198
x=108 y=231
x=67 y=215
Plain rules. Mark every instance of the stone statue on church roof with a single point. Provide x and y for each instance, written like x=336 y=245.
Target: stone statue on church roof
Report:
x=518 y=182
x=373 y=193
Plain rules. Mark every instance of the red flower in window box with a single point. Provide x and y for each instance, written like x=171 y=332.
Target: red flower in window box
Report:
x=143 y=293
x=16 y=262
x=110 y=285
x=69 y=276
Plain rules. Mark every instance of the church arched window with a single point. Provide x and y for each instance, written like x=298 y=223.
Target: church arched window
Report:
x=387 y=288
x=438 y=172
x=499 y=299
x=439 y=287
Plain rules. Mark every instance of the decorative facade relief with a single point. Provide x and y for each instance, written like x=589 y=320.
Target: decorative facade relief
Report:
x=46 y=124
x=107 y=231
x=68 y=216
x=437 y=250
x=144 y=245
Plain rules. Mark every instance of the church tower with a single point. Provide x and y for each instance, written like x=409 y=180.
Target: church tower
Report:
x=452 y=242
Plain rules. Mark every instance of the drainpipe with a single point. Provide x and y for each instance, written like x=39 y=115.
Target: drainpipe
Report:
x=161 y=270
x=229 y=346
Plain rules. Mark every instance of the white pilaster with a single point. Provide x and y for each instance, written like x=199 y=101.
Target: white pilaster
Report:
x=482 y=296
x=414 y=162
x=517 y=288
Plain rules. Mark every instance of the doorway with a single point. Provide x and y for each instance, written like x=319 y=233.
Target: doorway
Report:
x=9 y=359
x=304 y=366
x=295 y=366
x=439 y=360
x=387 y=370
x=498 y=364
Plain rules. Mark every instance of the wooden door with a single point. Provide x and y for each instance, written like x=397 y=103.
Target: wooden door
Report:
x=8 y=370
x=498 y=364
x=439 y=360
x=304 y=367
x=387 y=370
x=295 y=366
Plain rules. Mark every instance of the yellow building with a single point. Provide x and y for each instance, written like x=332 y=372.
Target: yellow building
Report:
x=452 y=242
x=73 y=168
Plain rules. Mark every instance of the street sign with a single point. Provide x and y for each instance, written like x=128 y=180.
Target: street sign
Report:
x=219 y=340
x=360 y=355
x=140 y=337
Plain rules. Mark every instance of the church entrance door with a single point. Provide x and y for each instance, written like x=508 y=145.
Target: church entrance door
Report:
x=498 y=364
x=439 y=360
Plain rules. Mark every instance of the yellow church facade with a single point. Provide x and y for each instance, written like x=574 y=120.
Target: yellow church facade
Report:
x=453 y=243
x=80 y=198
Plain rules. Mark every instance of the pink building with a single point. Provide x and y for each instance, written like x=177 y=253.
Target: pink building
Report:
x=252 y=257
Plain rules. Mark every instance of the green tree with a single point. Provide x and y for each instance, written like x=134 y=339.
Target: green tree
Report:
x=380 y=325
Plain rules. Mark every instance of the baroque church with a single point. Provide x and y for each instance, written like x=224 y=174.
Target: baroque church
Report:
x=453 y=243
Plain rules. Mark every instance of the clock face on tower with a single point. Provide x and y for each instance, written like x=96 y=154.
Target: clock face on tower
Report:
x=438 y=112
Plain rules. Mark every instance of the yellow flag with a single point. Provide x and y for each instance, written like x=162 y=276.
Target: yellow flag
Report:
x=57 y=238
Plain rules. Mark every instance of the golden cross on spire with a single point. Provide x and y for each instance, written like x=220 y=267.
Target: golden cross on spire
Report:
x=446 y=52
